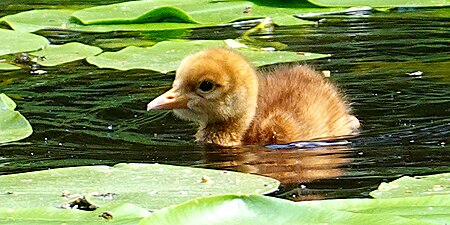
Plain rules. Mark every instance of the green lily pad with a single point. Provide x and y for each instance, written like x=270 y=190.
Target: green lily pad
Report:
x=198 y=11
x=203 y=12
x=135 y=12
x=151 y=186
x=7 y=66
x=381 y=3
x=34 y=20
x=53 y=55
x=13 y=126
x=16 y=41
x=141 y=16
x=261 y=210
x=165 y=56
x=434 y=209
x=414 y=186
x=123 y=214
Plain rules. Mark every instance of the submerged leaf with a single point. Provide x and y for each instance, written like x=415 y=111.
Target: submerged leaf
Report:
x=53 y=55
x=151 y=186
x=13 y=126
x=166 y=56
x=16 y=41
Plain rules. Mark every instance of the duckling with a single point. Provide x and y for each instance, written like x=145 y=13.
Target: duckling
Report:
x=234 y=105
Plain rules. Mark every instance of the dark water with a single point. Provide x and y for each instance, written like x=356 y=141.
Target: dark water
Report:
x=83 y=115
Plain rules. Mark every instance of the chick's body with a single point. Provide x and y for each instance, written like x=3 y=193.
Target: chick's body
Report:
x=233 y=105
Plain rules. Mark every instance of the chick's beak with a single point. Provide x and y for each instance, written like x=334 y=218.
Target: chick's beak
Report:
x=172 y=99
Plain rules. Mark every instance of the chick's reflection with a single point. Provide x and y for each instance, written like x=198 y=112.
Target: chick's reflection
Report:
x=289 y=166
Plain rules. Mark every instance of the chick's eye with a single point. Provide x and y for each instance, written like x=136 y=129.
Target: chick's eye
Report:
x=206 y=86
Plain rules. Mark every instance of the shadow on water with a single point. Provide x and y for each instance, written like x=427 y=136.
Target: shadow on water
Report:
x=83 y=115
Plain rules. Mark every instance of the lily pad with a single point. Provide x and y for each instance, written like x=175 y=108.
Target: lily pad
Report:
x=198 y=11
x=151 y=186
x=261 y=210
x=381 y=3
x=165 y=56
x=434 y=209
x=122 y=214
x=7 y=66
x=13 y=126
x=142 y=16
x=135 y=12
x=34 y=20
x=53 y=55
x=99 y=28
x=17 y=41
x=414 y=186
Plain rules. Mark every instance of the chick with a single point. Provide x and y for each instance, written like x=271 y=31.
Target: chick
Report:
x=234 y=105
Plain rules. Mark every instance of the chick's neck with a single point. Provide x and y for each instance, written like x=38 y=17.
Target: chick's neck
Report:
x=225 y=133
x=230 y=130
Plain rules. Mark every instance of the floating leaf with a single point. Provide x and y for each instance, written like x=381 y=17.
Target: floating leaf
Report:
x=16 y=41
x=163 y=57
x=150 y=186
x=166 y=56
x=380 y=3
x=433 y=209
x=13 y=126
x=7 y=66
x=135 y=12
x=138 y=16
x=199 y=11
x=34 y=20
x=53 y=55
x=414 y=186
x=261 y=58
x=122 y=214
x=133 y=27
x=261 y=210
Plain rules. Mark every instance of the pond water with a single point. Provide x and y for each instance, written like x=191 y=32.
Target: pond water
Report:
x=82 y=115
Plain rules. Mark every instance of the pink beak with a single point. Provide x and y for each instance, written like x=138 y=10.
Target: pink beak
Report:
x=169 y=100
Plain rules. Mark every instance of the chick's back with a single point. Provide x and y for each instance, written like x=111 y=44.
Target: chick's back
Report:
x=297 y=103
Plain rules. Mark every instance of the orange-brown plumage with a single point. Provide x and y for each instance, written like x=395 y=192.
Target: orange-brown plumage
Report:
x=233 y=105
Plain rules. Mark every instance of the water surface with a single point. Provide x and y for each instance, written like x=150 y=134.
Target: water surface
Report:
x=83 y=115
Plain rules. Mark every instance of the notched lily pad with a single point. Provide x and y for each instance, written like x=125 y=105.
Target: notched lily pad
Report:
x=53 y=55
x=13 y=126
x=151 y=186
x=165 y=56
